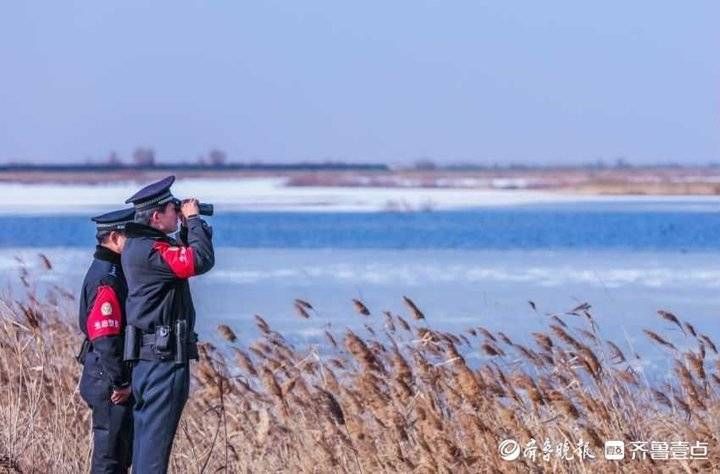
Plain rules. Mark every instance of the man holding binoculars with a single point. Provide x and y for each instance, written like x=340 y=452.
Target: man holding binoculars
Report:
x=161 y=318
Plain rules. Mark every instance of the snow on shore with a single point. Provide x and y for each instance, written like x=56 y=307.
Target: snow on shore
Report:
x=271 y=194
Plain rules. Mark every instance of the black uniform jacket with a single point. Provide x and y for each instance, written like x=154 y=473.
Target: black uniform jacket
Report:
x=101 y=318
x=157 y=269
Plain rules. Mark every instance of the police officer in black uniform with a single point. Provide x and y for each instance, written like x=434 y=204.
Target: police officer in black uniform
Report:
x=105 y=380
x=160 y=314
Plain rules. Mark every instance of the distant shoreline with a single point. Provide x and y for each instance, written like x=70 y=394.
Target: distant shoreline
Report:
x=579 y=181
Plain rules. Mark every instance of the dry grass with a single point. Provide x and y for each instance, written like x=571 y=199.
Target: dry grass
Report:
x=404 y=399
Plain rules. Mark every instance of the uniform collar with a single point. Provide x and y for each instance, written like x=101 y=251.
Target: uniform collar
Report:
x=135 y=229
x=104 y=253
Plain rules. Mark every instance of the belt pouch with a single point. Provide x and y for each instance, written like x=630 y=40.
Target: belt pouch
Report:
x=131 y=349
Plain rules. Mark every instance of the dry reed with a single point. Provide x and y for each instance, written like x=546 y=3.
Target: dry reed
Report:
x=396 y=401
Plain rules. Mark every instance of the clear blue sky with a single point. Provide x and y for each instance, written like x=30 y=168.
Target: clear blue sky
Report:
x=394 y=81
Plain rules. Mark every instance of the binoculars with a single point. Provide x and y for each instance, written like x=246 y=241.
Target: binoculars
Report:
x=204 y=208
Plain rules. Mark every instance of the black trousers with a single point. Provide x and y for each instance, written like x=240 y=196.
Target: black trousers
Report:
x=112 y=425
x=160 y=390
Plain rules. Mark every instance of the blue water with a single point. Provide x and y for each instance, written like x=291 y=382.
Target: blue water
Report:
x=615 y=226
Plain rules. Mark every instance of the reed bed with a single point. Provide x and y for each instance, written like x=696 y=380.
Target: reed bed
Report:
x=396 y=396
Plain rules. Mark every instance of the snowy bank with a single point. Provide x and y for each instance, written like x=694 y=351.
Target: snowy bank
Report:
x=272 y=194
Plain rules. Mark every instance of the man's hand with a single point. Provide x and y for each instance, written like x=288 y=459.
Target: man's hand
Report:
x=189 y=208
x=120 y=395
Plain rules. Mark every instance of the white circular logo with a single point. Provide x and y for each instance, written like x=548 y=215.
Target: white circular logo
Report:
x=509 y=450
x=106 y=309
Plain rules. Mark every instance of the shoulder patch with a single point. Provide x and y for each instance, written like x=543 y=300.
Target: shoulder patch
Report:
x=181 y=260
x=105 y=316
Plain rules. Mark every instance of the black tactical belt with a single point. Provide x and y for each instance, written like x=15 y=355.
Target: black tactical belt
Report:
x=149 y=350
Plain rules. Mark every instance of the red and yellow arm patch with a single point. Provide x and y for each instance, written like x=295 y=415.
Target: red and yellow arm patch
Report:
x=180 y=259
x=105 y=317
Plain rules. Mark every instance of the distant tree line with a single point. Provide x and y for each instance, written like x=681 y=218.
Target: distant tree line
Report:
x=144 y=159
x=620 y=163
